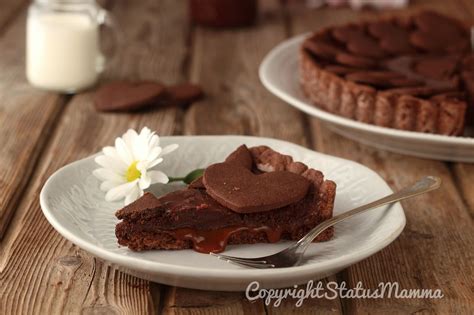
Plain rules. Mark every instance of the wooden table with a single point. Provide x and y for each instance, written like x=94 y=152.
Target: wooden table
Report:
x=43 y=273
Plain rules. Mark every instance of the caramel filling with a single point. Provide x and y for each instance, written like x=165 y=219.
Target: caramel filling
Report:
x=215 y=241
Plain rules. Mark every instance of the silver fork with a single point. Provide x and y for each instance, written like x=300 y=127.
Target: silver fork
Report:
x=293 y=255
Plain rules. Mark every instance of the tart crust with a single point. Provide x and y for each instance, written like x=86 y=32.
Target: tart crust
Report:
x=405 y=108
x=152 y=223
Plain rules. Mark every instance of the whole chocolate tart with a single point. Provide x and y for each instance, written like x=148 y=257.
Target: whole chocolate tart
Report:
x=256 y=195
x=411 y=73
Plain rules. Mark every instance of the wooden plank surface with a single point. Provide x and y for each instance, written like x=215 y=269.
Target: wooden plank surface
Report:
x=187 y=301
x=27 y=115
x=438 y=225
x=9 y=11
x=41 y=272
x=226 y=64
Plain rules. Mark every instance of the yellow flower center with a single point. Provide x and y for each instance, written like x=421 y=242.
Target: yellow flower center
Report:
x=132 y=172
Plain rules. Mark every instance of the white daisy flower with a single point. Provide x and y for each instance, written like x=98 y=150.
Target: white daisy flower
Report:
x=126 y=168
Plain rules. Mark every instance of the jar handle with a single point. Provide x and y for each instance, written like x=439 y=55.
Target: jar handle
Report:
x=106 y=19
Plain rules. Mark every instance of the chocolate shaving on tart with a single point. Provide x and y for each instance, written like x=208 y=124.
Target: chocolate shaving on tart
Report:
x=393 y=72
x=191 y=218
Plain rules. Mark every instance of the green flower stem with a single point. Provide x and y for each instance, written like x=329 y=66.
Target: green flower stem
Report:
x=176 y=179
x=188 y=179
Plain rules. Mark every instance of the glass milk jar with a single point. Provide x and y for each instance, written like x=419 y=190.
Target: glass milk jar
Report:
x=62 y=44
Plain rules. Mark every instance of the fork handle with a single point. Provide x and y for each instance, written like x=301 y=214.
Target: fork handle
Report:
x=420 y=187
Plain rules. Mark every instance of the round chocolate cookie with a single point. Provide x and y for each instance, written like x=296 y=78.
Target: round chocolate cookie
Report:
x=124 y=96
x=182 y=94
x=127 y=96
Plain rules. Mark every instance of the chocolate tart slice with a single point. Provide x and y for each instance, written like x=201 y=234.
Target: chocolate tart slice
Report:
x=412 y=73
x=271 y=198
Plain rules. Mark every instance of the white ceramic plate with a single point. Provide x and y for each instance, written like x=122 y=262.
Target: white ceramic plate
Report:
x=279 y=74
x=75 y=207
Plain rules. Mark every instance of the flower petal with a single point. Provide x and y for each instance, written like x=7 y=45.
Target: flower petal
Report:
x=154 y=141
x=129 y=137
x=145 y=132
x=142 y=166
x=133 y=195
x=155 y=162
x=169 y=148
x=140 y=150
x=121 y=191
x=123 y=151
x=140 y=145
x=154 y=153
x=110 y=151
x=144 y=181
x=113 y=164
x=107 y=174
x=108 y=185
x=158 y=177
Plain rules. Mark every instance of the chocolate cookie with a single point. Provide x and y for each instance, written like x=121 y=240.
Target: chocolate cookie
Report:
x=237 y=188
x=241 y=156
x=124 y=96
x=182 y=94
x=358 y=41
x=127 y=96
x=392 y=37
x=437 y=32
x=233 y=184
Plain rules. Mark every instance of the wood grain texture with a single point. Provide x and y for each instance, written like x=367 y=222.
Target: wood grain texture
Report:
x=226 y=63
x=9 y=11
x=187 y=301
x=309 y=306
x=464 y=178
x=27 y=116
x=433 y=251
x=41 y=272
